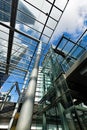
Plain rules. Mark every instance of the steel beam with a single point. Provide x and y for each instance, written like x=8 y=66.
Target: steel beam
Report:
x=20 y=32
x=25 y=118
x=11 y=32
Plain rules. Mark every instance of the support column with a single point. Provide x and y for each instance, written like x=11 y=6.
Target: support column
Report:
x=25 y=119
x=18 y=102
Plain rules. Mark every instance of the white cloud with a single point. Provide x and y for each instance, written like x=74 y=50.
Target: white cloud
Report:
x=73 y=19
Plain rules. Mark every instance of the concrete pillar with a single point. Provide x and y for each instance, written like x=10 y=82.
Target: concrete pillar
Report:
x=25 y=118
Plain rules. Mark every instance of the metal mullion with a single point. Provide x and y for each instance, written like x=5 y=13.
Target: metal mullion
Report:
x=4 y=47
x=25 y=41
x=4 y=32
x=11 y=32
x=16 y=38
x=45 y=42
x=33 y=28
x=35 y=20
x=2 y=44
x=23 y=52
x=69 y=52
x=65 y=45
x=48 y=40
x=31 y=67
x=81 y=36
x=21 y=66
x=18 y=73
x=59 y=19
x=40 y=10
x=32 y=57
x=61 y=15
x=46 y=20
x=20 y=63
x=55 y=6
x=20 y=32
x=59 y=42
x=30 y=50
x=75 y=50
x=4 y=13
x=69 y=40
x=76 y=43
x=17 y=65
x=63 y=48
x=28 y=26
x=23 y=63
x=71 y=49
x=18 y=57
x=17 y=51
x=46 y=35
x=22 y=46
x=13 y=66
x=15 y=75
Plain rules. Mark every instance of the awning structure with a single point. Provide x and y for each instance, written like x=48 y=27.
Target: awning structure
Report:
x=22 y=25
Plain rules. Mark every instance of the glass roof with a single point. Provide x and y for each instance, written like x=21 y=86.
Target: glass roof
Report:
x=23 y=23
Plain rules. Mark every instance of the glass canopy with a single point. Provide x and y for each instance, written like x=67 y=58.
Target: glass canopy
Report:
x=23 y=23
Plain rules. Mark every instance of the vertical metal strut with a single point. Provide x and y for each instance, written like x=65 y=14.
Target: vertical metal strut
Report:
x=25 y=119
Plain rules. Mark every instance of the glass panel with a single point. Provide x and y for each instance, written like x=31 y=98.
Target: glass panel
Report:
x=60 y=3
x=55 y=13
x=78 y=52
x=68 y=47
x=44 y=39
x=51 y=23
x=41 y=4
x=62 y=44
x=3 y=43
x=48 y=32
x=5 y=10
